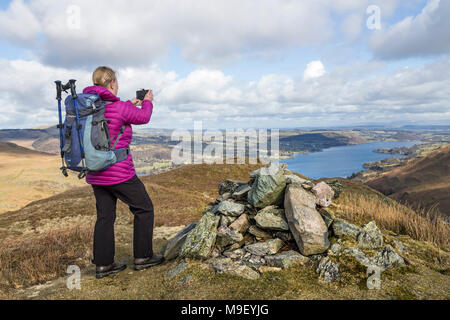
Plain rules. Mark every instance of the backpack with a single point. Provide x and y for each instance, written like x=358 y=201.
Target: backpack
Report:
x=85 y=142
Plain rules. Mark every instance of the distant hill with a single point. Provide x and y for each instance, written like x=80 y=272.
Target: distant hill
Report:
x=422 y=182
x=313 y=142
x=14 y=149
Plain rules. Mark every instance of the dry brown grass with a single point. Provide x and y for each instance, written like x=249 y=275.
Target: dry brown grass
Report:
x=30 y=261
x=419 y=224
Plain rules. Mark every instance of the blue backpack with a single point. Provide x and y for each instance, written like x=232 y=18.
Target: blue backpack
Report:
x=85 y=142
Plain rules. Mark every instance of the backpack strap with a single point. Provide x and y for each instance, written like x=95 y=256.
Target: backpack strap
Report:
x=122 y=129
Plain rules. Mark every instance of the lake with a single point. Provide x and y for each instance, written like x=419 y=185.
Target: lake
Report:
x=341 y=161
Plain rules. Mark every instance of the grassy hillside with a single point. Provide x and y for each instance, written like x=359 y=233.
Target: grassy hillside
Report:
x=27 y=175
x=39 y=241
x=424 y=182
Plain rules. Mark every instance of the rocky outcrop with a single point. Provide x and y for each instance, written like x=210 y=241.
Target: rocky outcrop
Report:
x=275 y=221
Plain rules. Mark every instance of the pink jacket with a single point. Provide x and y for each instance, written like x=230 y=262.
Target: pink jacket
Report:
x=120 y=113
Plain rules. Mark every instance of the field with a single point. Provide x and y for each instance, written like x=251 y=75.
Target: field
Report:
x=26 y=176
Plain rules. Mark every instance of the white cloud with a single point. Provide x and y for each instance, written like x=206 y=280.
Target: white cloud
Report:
x=136 y=32
x=339 y=97
x=428 y=33
x=314 y=69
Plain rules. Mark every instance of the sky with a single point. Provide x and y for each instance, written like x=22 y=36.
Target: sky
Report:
x=234 y=63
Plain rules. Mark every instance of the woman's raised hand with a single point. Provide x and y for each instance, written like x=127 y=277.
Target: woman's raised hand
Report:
x=136 y=101
x=149 y=95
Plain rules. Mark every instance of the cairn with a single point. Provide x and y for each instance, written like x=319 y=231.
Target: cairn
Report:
x=274 y=221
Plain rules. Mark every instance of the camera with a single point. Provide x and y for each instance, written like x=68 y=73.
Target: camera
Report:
x=140 y=94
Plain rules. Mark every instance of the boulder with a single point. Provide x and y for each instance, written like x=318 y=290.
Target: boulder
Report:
x=200 y=241
x=337 y=187
x=266 y=248
x=268 y=187
x=236 y=254
x=229 y=208
x=324 y=194
x=271 y=218
x=292 y=178
x=285 y=259
x=370 y=236
x=258 y=233
x=327 y=216
x=227 y=236
x=226 y=220
x=223 y=197
x=343 y=228
x=305 y=222
x=328 y=270
x=226 y=265
x=229 y=186
x=387 y=258
x=241 y=224
x=241 y=192
x=174 y=246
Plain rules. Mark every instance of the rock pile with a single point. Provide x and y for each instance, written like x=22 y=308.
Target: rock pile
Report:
x=274 y=221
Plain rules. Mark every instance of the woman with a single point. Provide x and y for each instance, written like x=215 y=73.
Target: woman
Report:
x=120 y=181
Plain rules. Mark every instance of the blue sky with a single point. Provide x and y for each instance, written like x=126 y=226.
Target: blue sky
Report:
x=234 y=64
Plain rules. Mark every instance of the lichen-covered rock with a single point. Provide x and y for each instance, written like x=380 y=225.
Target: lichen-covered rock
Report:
x=272 y=218
x=285 y=236
x=200 y=241
x=327 y=216
x=328 y=270
x=174 y=246
x=337 y=187
x=387 y=258
x=324 y=194
x=227 y=236
x=223 y=197
x=268 y=187
x=258 y=233
x=266 y=248
x=229 y=186
x=370 y=237
x=285 y=259
x=292 y=178
x=236 y=254
x=241 y=192
x=305 y=222
x=177 y=270
x=228 y=266
x=226 y=220
x=343 y=228
x=241 y=224
x=229 y=208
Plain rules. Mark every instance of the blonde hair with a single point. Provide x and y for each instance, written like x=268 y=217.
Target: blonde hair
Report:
x=103 y=76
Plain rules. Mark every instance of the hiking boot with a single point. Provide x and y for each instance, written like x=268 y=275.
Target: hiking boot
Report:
x=104 y=271
x=144 y=263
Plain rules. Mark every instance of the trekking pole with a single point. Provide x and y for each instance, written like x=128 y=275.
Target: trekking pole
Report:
x=60 y=126
x=73 y=91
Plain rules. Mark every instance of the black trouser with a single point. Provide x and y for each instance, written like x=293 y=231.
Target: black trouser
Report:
x=133 y=193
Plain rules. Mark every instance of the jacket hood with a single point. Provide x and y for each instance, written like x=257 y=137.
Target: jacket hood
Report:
x=103 y=93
